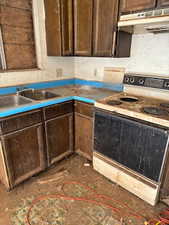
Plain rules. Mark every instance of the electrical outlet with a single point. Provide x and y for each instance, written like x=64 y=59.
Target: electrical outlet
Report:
x=95 y=72
x=59 y=72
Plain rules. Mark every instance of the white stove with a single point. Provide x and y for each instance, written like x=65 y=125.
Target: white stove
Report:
x=132 y=137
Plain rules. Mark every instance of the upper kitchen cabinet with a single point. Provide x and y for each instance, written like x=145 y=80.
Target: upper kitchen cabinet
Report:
x=53 y=27
x=83 y=28
x=163 y=3
x=67 y=27
x=104 y=27
x=59 y=27
x=128 y=6
x=83 y=18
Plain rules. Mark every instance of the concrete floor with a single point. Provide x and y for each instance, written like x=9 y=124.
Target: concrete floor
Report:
x=14 y=205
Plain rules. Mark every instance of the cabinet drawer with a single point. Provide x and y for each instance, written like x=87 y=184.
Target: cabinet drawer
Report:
x=84 y=109
x=20 y=121
x=57 y=110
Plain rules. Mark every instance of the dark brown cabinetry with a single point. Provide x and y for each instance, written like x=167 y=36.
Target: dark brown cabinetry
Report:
x=53 y=27
x=59 y=27
x=83 y=17
x=22 y=148
x=84 y=129
x=83 y=28
x=104 y=27
x=67 y=27
x=29 y=142
x=133 y=5
x=163 y=3
x=59 y=131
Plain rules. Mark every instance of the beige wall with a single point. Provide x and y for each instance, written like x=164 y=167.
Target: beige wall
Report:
x=149 y=54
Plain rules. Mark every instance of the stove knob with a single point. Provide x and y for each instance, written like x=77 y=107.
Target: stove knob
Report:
x=166 y=84
x=127 y=79
x=132 y=80
x=141 y=81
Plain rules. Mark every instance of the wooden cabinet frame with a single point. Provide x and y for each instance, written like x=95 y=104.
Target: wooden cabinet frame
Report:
x=69 y=150
x=83 y=15
x=31 y=133
x=11 y=178
x=84 y=129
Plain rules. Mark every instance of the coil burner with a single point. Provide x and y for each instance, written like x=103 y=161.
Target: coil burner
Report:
x=155 y=111
x=114 y=102
x=129 y=99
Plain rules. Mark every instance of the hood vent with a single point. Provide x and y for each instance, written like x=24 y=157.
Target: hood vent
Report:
x=148 y=17
x=157 y=28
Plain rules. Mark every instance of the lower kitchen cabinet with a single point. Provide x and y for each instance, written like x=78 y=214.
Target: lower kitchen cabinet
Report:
x=21 y=151
x=32 y=141
x=59 y=131
x=59 y=137
x=84 y=129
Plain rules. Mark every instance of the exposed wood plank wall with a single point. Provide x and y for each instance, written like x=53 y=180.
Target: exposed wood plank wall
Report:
x=17 y=31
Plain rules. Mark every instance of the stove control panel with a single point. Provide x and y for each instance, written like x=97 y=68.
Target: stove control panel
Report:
x=146 y=81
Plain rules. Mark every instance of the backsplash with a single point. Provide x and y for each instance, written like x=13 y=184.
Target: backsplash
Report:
x=149 y=54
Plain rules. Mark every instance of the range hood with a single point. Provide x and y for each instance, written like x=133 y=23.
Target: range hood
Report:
x=154 y=21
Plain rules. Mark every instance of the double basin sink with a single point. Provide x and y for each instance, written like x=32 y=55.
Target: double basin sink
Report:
x=25 y=97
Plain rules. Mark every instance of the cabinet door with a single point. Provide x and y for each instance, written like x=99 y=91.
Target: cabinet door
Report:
x=104 y=27
x=83 y=135
x=67 y=26
x=53 y=27
x=163 y=3
x=133 y=5
x=24 y=153
x=83 y=11
x=59 y=137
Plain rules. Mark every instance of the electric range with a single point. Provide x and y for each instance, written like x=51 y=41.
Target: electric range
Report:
x=131 y=137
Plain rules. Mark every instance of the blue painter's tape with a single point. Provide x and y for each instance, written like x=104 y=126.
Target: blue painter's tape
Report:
x=98 y=84
x=8 y=90
x=44 y=85
x=57 y=83
x=52 y=84
x=88 y=82
x=42 y=104
x=33 y=106
x=83 y=99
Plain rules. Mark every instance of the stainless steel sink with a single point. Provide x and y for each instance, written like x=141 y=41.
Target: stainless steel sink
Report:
x=13 y=101
x=37 y=95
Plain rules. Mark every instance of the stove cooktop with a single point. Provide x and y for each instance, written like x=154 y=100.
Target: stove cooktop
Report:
x=156 y=111
x=140 y=104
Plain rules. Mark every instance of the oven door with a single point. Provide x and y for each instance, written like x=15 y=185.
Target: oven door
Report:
x=137 y=145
